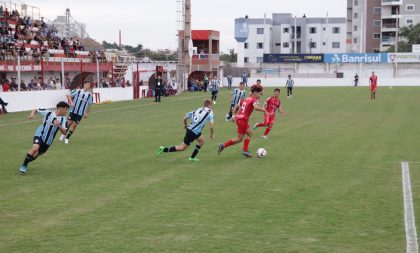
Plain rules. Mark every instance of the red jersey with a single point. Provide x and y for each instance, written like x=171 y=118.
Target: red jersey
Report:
x=246 y=108
x=273 y=104
x=373 y=80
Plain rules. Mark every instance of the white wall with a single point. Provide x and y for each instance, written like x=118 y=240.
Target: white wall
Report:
x=28 y=100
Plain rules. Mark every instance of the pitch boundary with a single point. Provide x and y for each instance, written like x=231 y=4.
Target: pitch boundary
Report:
x=410 y=222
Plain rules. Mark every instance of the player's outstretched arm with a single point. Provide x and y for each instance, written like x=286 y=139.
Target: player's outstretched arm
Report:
x=87 y=112
x=212 y=131
x=32 y=115
x=185 y=122
x=258 y=107
x=70 y=100
x=281 y=111
x=235 y=111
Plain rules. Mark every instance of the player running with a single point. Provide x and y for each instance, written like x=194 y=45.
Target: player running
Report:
x=80 y=102
x=242 y=113
x=198 y=118
x=214 y=87
x=373 y=82
x=53 y=122
x=237 y=95
x=272 y=105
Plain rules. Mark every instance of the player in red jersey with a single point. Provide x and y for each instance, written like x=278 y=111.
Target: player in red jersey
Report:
x=242 y=112
x=272 y=104
x=373 y=81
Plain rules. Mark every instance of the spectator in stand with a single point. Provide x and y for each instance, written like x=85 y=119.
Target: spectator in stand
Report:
x=23 y=85
x=13 y=85
x=32 y=85
x=58 y=84
x=3 y=105
x=6 y=86
x=127 y=83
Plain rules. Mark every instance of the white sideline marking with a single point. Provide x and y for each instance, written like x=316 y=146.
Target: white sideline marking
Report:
x=106 y=110
x=410 y=223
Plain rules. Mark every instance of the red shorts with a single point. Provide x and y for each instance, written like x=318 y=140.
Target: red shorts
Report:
x=269 y=119
x=242 y=126
x=373 y=88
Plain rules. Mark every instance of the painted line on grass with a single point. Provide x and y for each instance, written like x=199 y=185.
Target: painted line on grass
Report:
x=106 y=110
x=410 y=222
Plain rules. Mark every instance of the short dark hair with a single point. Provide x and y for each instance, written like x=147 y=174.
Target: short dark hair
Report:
x=259 y=80
x=62 y=104
x=241 y=83
x=256 y=88
x=277 y=89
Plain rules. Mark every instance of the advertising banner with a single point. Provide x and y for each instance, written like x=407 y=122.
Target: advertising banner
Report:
x=356 y=58
x=293 y=58
x=404 y=57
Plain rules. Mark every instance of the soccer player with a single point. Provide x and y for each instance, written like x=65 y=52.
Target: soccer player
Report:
x=80 y=103
x=272 y=105
x=373 y=81
x=237 y=95
x=199 y=118
x=289 y=84
x=242 y=111
x=214 y=87
x=53 y=122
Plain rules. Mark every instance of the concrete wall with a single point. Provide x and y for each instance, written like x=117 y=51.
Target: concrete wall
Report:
x=28 y=100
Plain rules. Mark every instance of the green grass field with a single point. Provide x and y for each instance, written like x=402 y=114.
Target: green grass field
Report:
x=331 y=181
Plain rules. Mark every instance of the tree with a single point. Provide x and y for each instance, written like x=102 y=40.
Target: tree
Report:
x=409 y=35
x=231 y=57
x=107 y=45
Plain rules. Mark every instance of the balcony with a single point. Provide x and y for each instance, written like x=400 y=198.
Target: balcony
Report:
x=389 y=27
x=391 y=2
x=205 y=59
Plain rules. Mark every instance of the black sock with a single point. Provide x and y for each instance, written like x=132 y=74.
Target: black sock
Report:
x=28 y=159
x=196 y=150
x=69 y=133
x=171 y=149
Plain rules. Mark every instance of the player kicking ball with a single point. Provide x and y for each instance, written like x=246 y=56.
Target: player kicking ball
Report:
x=272 y=104
x=242 y=113
x=199 y=118
x=80 y=101
x=53 y=122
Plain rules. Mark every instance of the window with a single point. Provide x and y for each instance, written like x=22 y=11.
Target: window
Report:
x=246 y=45
x=376 y=35
x=355 y=15
x=409 y=21
x=286 y=30
x=260 y=45
x=409 y=7
x=285 y=44
x=324 y=28
x=259 y=59
x=260 y=30
x=312 y=44
x=376 y=23
x=356 y=2
x=355 y=28
x=246 y=59
x=324 y=43
x=312 y=29
x=354 y=40
x=377 y=10
x=277 y=44
x=336 y=30
x=336 y=45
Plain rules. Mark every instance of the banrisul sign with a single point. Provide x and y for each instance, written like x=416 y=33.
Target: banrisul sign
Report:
x=356 y=58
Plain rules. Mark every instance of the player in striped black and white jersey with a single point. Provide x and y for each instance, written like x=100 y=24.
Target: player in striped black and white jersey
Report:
x=237 y=95
x=53 y=122
x=199 y=118
x=80 y=103
x=214 y=87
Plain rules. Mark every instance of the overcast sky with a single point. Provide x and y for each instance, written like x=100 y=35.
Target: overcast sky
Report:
x=153 y=22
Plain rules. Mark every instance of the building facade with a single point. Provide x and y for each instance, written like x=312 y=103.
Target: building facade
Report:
x=372 y=25
x=285 y=34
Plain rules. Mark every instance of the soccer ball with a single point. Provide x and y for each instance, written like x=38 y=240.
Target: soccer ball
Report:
x=261 y=152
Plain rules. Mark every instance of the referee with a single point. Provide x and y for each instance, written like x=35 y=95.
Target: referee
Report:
x=289 y=84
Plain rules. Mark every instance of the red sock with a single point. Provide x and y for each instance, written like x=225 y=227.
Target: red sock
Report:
x=246 y=144
x=228 y=143
x=260 y=124
x=267 y=130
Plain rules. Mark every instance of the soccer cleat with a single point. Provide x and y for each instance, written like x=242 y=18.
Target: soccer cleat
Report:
x=23 y=169
x=246 y=154
x=66 y=141
x=62 y=137
x=159 y=151
x=254 y=127
x=221 y=147
x=227 y=120
x=193 y=159
x=264 y=137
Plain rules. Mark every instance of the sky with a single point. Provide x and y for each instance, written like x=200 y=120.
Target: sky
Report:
x=153 y=23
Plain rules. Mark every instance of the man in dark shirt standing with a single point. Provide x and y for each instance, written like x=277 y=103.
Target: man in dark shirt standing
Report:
x=158 y=88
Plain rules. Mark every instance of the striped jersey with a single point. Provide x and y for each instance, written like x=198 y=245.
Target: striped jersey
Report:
x=82 y=100
x=290 y=83
x=237 y=95
x=199 y=118
x=214 y=85
x=47 y=130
